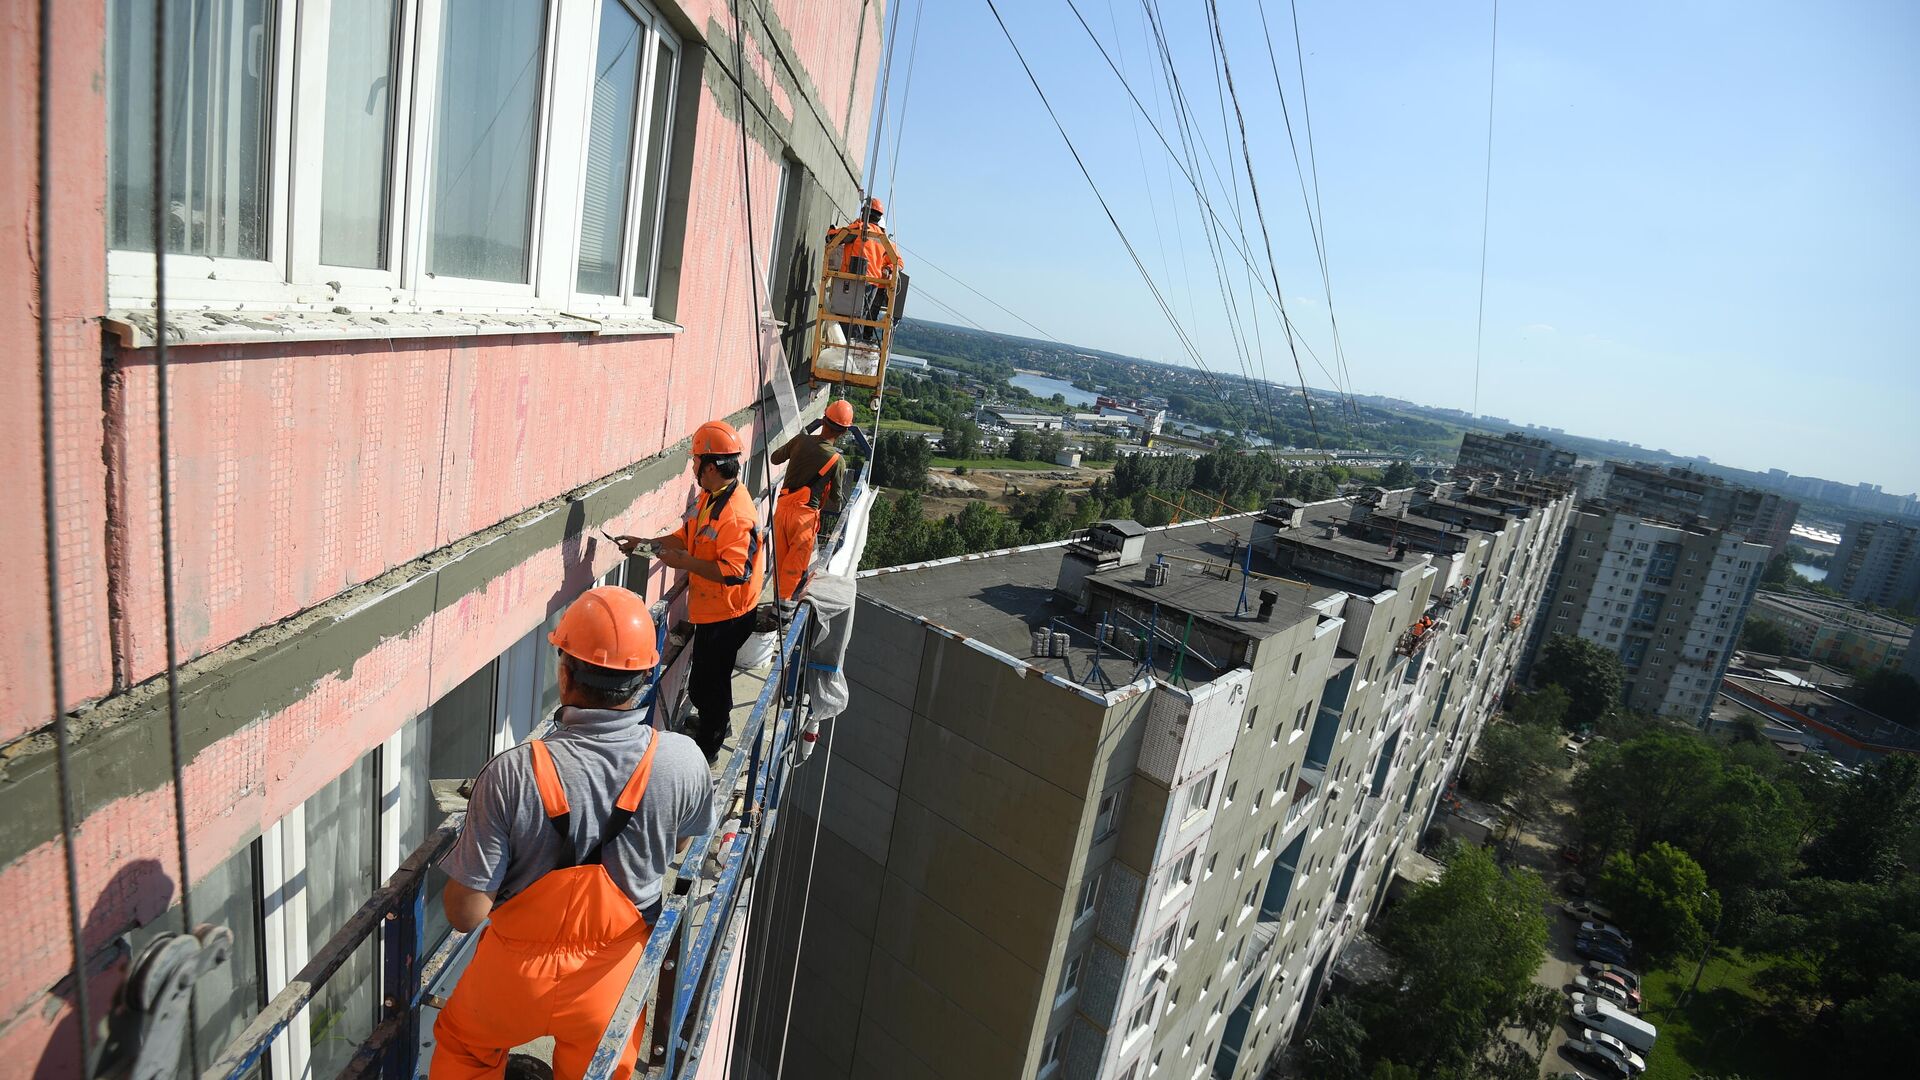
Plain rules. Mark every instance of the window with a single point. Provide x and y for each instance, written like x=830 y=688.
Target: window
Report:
x=1300 y=718
x=1182 y=873
x=1054 y=1049
x=1069 y=979
x=1252 y=712
x=1109 y=810
x=1199 y=795
x=1230 y=790
x=1211 y=861
x=378 y=154
x=1089 y=892
x=1295 y=670
x=1164 y=947
x=1142 y=1016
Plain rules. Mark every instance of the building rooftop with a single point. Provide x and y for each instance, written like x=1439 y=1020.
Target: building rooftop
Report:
x=1000 y=598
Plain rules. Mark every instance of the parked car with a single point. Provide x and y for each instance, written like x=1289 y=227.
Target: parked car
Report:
x=1586 y=909
x=1607 y=1058
x=1632 y=1031
x=1620 y=984
x=1630 y=979
x=1595 y=986
x=1604 y=949
x=1596 y=928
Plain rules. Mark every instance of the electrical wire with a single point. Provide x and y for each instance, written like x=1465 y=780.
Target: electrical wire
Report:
x=1486 y=205
x=1174 y=320
x=906 y=94
x=1213 y=17
x=806 y=897
x=920 y=291
x=49 y=506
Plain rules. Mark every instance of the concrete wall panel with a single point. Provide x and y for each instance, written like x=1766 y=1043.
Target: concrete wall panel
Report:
x=981 y=885
x=989 y=797
x=972 y=968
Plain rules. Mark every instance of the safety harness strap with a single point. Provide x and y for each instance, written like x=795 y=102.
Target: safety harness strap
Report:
x=553 y=795
x=628 y=803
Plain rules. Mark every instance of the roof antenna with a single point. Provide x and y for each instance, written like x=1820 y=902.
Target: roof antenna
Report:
x=1246 y=574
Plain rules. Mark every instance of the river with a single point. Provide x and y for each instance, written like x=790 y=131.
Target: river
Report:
x=1811 y=573
x=1042 y=387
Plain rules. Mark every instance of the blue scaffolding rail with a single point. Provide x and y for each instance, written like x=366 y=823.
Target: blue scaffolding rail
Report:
x=684 y=972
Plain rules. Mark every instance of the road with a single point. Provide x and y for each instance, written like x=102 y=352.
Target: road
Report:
x=1537 y=848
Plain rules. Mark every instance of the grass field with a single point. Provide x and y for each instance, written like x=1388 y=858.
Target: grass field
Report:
x=1724 y=1030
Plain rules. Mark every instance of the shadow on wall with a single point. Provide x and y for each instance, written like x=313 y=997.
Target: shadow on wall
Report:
x=140 y=889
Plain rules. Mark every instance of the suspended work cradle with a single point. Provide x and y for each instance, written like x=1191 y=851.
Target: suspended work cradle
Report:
x=853 y=325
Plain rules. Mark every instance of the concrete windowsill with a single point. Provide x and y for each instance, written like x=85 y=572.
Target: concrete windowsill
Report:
x=136 y=328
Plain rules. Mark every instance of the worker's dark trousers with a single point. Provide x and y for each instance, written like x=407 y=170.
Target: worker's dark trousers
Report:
x=710 y=678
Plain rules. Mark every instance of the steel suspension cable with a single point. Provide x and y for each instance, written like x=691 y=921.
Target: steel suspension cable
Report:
x=800 y=935
x=1486 y=205
x=50 y=511
x=1320 y=214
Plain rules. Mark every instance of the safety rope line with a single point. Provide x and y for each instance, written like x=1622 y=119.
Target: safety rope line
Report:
x=1486 y=206
x=806 y=898
x=906 y=95
x=163 y=405
x=49 y=506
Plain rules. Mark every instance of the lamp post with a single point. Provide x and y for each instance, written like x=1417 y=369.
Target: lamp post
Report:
x=1712 y=938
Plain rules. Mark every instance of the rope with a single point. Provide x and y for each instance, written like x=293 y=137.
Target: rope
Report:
x=164 y=447
x=906 y=94
x=806 y=896
x=49 y=505
x=1486 y=204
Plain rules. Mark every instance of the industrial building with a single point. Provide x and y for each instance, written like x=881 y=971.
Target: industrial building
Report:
x=1878 y=562
x=448 y=286
x=1669 y=599
x=1113 y=807
x=1835 y=631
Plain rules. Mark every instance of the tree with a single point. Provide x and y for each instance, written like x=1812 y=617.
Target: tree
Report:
x=900 y=460
x=1632 y=794
x=1780 y=572
x=1398 y=475
x=1516 y=762
x=1022 y=446
x=1591 y=676
x=1875 y=814
x=1662 y=893
x=1335 y=1045
x=1466 y=946
x=1765 y=636
x=960 y=439
x=1544 y=708
x=1893 y=694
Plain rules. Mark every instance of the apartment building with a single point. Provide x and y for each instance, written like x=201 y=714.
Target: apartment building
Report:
x=449 y=283
x=1669 y=599
x=1515 y=454
x=1878 y=562
x=1835 y=631
x=1113 y=807
x=1678 y=494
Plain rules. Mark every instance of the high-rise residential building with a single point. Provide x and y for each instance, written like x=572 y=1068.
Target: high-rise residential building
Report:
x=448 y=287
x=1513 y=453
x=1669 y=599
x=1678 y=494
x=1878 y=562
x=1112 y=808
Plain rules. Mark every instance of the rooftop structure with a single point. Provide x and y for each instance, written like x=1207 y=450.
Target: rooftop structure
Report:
x=1513 y=453
x=1678 y=494
x=1838 y=727
x=1125 y=799
x=1835 y=631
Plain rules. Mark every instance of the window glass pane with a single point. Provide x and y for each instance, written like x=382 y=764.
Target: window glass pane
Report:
x=359 y=132
x=487 y=131
x=659 y=120
x=616 y=93
x=458 y=731
x=219 y=109
x=227 y=996
x=339 y=878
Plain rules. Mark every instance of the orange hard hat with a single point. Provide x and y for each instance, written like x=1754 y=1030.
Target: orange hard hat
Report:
x=715 y=437
x=609 y=627
x=840 y=413
x=875 y=206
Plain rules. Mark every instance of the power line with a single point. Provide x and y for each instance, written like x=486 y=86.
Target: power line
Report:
x=921 y=291
x=1179 y=331
x=1260 y=215
x=1486 y=204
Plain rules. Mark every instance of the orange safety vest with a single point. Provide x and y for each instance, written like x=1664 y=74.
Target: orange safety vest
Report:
x=553 y=960
x=796 y=529
x=726 y=530
x=879 y=262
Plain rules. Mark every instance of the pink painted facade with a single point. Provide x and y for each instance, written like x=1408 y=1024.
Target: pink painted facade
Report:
x=303 y=471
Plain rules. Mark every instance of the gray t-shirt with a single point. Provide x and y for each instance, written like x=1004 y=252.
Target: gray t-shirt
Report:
x=507 y=842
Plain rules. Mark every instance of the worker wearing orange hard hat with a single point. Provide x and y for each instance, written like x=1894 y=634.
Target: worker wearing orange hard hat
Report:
x=719 y=548
x=566 y=842
x=861 y=247
x=815 y=481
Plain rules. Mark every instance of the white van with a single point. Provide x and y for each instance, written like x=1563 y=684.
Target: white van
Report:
x=1629 y=1029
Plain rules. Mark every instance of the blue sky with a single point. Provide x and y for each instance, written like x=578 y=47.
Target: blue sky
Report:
x=1704 y=224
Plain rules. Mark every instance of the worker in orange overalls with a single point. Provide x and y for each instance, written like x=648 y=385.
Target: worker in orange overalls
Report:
x=815 y=477
x=719 y=548
x=564 y=848
x=863 y=249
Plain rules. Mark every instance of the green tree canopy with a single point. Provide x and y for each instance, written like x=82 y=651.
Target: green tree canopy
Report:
x=1516 y=765
x=1874 y=815
x=900 y=460
x=1663 y=895
x=1590 y=674
x=1398 y=475
x=1765 y=636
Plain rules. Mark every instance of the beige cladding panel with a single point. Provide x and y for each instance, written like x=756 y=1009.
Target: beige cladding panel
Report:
x=914 y=1017
x=980 y=884
x=1048 y=730
x=971 y=968
x=1034 y=822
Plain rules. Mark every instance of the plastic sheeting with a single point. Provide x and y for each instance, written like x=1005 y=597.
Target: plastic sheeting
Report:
x=832 y=594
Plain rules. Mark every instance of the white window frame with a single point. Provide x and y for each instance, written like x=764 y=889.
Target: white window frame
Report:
x=291 y=276
x=1200 y=796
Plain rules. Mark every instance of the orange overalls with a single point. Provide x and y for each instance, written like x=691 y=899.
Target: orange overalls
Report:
x=796 y=528
x=553 y=960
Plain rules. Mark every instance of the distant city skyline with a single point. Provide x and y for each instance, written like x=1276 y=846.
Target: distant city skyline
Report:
x=1701 y=228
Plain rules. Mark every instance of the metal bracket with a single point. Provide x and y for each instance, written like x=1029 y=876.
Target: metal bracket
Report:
x=148 y=1024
